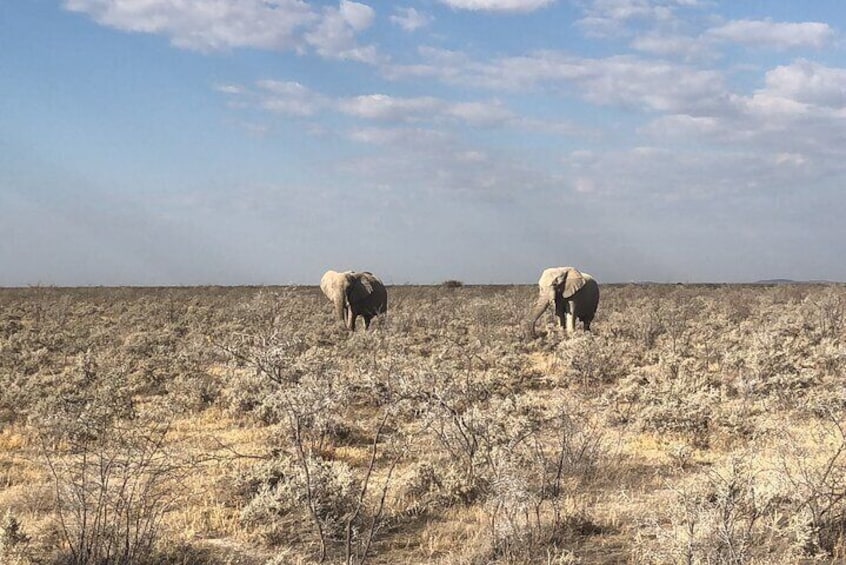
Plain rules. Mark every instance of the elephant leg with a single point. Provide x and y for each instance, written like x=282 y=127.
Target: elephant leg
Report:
x=561 y=310
x=367 y=319
x=586 y=324
x=341 y=311
x=351 y=322
x=571 y=318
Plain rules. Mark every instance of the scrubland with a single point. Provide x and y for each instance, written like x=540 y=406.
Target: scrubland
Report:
x=695 y=424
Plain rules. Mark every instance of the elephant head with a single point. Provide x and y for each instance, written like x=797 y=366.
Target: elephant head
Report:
x=354 y=294
x=567 y=282
x=334 y=286
x=573 y=294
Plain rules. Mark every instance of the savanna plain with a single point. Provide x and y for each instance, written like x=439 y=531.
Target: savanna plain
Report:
x=243 y=425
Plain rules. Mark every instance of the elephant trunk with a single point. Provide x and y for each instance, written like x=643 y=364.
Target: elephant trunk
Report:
x=340 y=309
x=537 y=311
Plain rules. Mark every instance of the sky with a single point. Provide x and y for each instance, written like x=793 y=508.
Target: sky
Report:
x=181 y=142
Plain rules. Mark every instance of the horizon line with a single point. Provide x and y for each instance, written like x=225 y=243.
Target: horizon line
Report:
x=445 y=283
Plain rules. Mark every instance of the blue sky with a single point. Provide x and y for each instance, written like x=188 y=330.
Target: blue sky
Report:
x=265 y=141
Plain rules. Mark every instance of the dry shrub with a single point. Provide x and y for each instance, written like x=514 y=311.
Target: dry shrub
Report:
x=284 y=492
x=500 y=446
x=771 y=365
x=639 y=321
x=824 y=313
x=678 y=401
x=536 y=473
x=14 y=542
x=813 y=471
x=783 y=508
x=726 y=515
x=592 y=360
x=109 y=467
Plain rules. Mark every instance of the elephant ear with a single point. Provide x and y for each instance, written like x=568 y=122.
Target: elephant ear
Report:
x=569 y=282
x=358 y=287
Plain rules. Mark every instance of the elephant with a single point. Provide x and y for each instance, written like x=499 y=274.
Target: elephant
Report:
x=572 y=293
x=355 y=294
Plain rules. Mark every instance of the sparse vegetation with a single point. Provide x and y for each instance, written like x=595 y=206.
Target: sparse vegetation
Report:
x=695 y=424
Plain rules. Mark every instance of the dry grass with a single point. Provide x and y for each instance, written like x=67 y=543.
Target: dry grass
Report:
x=697 y=424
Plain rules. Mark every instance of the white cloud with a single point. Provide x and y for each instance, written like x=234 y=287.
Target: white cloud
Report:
x=498 y=5
x=473 y=156
x=421 y=158
x=807 y=82
x=255 y=130
x=288 y=97
x=625 y=81
x=480 y=113
x=778 y=35
x=607 y=18
x=335 y=36
x=233 y=89
x=206 y=25
x=294 y=99
x=791 y=159
x=397 y=109
x=621 y=10
x=768 y=105
x=444 y=64
x=799 y=116
x=584 y=185
x=652 y=85
x=680 y=126
x=358 y=16
x=214 y=25
x=384 y=107
x=417 y=137
x=804 y=98
x=410 y=19
x=672 y=45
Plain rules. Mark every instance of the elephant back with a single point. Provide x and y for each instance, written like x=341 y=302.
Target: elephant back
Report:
x=588 y=301
x=361 y=284
x=366 y=293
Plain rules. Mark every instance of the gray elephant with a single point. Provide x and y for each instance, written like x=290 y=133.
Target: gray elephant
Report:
x=573 y=295
x=355 y=294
